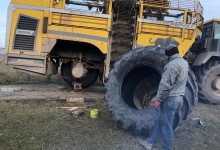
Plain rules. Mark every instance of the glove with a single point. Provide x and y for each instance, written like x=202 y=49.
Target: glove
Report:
x=156 y=105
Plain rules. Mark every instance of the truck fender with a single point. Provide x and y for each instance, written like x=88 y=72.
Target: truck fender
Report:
x=204 y=57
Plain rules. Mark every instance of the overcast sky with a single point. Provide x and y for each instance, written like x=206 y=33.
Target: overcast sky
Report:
x=211 y=10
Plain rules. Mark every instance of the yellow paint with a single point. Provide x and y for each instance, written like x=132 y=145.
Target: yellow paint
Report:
x=34 y=14
x=148 y=33
x=144 y=40
x=81 y=25
x=140 y=15
x=103 y=46
x=95 y=26
x=42 y=3
x=147 y=39
x=76 y=24
x=110 y=13
x=79 y=21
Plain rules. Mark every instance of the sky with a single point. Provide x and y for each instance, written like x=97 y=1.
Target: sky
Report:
x=211 y=10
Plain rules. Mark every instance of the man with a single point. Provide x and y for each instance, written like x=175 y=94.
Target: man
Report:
x=169 y=98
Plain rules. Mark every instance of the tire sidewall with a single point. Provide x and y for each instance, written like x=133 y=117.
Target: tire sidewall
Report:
x=206 y=84
x=143 y=121
x=143 y=118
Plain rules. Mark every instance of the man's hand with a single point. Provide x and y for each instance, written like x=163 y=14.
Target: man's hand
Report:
x=156 y=105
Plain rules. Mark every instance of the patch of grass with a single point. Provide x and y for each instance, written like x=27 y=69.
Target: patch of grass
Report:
x=196 y=137
x=40 y=125
x=43 y=126
x=8 y=75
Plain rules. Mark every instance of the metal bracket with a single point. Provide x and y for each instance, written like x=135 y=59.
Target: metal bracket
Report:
x=77 y=87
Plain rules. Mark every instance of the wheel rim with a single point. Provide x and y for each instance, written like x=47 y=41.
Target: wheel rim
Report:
x=145 y=93
x=133 y=92
x=215 y=85
x=86 y=81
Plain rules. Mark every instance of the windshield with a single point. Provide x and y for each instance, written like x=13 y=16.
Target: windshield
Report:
x=217 y=30
x=207 y=30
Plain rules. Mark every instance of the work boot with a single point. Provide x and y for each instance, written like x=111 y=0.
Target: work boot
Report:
x=146 y=145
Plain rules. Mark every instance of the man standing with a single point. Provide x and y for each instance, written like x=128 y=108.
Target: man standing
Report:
x=169 y=98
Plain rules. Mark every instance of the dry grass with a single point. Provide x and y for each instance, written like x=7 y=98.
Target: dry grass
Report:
x=196 y=137
x=8 y=75
x=40 y=125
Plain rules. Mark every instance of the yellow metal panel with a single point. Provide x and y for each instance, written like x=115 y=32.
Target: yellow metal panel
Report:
x=80 y=21
x=152 y=32
x=140 y=15
x=67 y=31
x=161 y=30
x=188 y=34
x=38 y=40
x=46 y=13
x=43 y=3
x=149 y=39
x=110 y=13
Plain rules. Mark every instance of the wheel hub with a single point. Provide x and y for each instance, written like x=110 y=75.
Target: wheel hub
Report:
x=216 y=84
x=78 y=70
x=145 y=93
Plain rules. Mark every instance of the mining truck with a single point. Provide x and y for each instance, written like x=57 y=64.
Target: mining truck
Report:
x=121 y=42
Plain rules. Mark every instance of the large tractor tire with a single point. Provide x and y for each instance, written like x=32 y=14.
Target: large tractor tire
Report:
x=90 y=78
x=208 y=78
x=132 y=89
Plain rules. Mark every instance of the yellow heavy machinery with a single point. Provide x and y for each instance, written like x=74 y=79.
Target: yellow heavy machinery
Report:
x=121 y=42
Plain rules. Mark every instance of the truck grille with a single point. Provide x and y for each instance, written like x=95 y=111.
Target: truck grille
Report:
x=25 y=33
x=23 y=42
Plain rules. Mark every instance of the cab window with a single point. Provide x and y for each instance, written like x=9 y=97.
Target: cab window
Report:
x=217 y=30
x=207 y=30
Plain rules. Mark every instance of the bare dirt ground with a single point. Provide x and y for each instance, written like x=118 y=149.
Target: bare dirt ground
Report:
x=30 y=118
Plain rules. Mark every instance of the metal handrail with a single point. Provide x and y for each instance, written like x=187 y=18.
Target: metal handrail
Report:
x=192 y=5
x=84 y=3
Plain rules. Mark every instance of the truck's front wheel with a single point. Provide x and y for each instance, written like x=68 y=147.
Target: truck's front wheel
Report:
x=208 y=77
